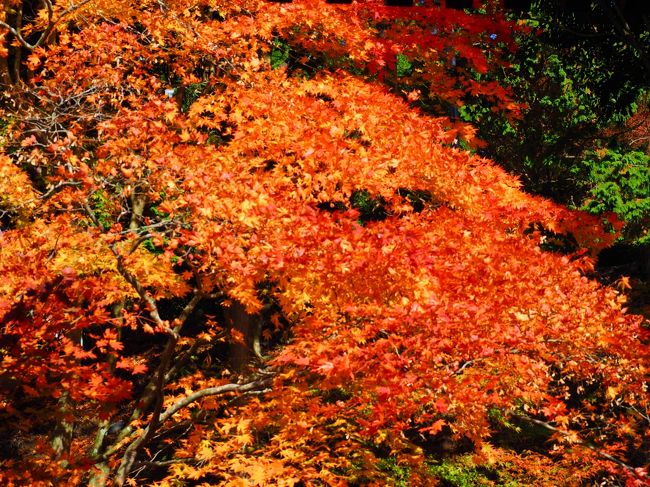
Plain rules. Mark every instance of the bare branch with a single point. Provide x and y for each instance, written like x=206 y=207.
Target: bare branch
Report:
x=183 y=359
x=18 y=35
x=460 y=369
x=167 y=463
x=153 y=393
x=641 y=414
x=52 y=24
x=58 y=187
x=91 y=214
x=187 y=310
x=161 y=223
x=12 y=30
x=140 y=240
x=213 y=391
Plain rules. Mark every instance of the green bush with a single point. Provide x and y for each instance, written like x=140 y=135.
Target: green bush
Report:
x=620 y=182
x=574 y=90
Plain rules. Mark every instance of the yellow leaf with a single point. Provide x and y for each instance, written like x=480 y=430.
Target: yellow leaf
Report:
x=612 y=392
x=204 y=451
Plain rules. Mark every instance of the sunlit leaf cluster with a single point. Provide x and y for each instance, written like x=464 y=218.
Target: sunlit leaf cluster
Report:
x=217 y=271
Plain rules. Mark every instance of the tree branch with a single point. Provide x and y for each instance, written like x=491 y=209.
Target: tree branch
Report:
x=167 y=463
x=213 y=391
x=128 y=459
x=142 y=292
x=154 y=390
x=57 y=187
x=582 y=443
x=51 y=24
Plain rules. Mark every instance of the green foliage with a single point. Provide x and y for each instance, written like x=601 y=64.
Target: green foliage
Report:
x=156 y=211
x=404 y=66
x=610 y=40
x=497 y=416
x=6 y=124
x=280 y=50
x=458 y=474
x=572 y=90
x=102 y=206
x=398 y=474
x=559 y=123
x=621 y=183
x=370 y=208
x=461 y=471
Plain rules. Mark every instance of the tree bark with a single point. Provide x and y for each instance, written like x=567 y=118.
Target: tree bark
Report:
x=5 y=77
x=250 y=327
x=62 y=435
x=138 y=204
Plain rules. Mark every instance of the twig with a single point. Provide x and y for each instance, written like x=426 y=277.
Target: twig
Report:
x=460 y=369
x=142 y=292
x=582 y=443
x=166 y=463
x=161 y=223
x=57 y=187
x=51 y=24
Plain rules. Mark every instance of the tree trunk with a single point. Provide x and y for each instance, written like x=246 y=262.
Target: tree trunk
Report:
x=5 y=76
x=138 y=204
x=245 y=347
x=62 y=434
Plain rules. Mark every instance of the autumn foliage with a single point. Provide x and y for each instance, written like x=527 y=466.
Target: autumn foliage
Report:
x=165 y=189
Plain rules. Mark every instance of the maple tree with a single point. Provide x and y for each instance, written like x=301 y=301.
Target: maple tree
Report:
x=171 y=204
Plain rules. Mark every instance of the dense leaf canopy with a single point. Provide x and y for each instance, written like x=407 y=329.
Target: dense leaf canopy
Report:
x=162 y=170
